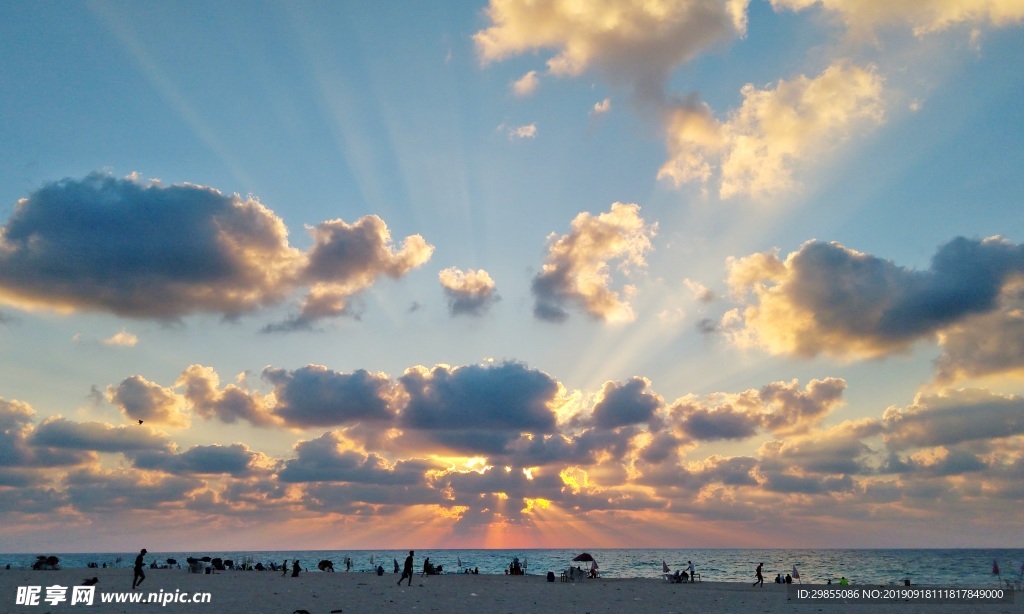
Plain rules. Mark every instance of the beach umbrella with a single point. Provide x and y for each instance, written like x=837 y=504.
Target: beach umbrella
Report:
x=584 y=557
x=796 y=574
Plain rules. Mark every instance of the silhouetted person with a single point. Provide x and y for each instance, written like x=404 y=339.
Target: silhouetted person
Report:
x=284 y=568
x=295 y=568
x=760 y=578
x=396 y=565
x=139 y=575
x=407 y=571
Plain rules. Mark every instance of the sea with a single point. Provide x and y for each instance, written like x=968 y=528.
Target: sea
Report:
x=942 y=567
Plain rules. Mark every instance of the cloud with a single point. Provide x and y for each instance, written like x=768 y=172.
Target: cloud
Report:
x=236 y=460
x=468 y=293
x=122 y=338
x=635 y=42
x=150 y=251
x=97 y=436
x=325 y=459
x=757 y=150
x=346 y=259
x=478 y=409
x=526 y=85
x=828 y=299
x=575 y=270
x=140 y=399
x=780 y=407
x=952 y=417
x=527 y=131
x=701 y=293
x=228 y=404
x=864 y=18
x=986 y=344
x=317 y=396
x=142 y=251
x=94 y=490
x=625 y=404
x=837 y=450
x=600 y=108
x=18 y=448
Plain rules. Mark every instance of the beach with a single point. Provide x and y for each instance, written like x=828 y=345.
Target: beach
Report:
x=322 y=593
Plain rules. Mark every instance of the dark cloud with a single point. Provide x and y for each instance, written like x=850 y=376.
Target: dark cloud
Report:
x=370 y=500
x=626 y=404
x=826 y=298
x=707 y=326
x=986 y=344
x=317 y=396
x=100 y=491
x=710 y=424
x=325 y=460
x=142 y=251
x=97 y=436
x=780 y=407
x=165 y=252
x=837 y=450
x=18 y=448
x=475 y=409
x=948 y=462
x=733 y=471
x=953 y=417
x=236 y=460
x=508 y=397
x=791 y=410
x=807 y=485
x=345 y=260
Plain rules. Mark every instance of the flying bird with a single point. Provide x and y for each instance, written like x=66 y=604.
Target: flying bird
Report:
x=140 y=421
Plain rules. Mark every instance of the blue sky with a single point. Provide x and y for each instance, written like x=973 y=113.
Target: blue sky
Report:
x=517 y=273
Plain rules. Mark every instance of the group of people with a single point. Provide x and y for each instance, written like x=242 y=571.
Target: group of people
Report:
x=788 y=579
x=680 y=577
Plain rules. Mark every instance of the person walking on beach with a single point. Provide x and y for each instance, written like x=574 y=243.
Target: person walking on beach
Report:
x=296 y=568
x=139 y=575
x=692 y=570
x=284 y=568
x=760 y=578
x=408 y=571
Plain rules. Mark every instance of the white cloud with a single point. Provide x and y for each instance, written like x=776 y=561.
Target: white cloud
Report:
x=576 y=268
x=526 y=85
x=468 y=292
x=632 y=41
x=528 y=131
x=776 y=131
x=865 y=17
x=122 y=338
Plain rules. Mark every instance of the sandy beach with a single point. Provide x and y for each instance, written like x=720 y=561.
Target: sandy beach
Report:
x=322 y=593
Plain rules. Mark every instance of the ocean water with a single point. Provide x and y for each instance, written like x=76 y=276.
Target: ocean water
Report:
x=945 y=567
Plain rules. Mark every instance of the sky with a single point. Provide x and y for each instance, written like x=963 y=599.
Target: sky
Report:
x=511 y=274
